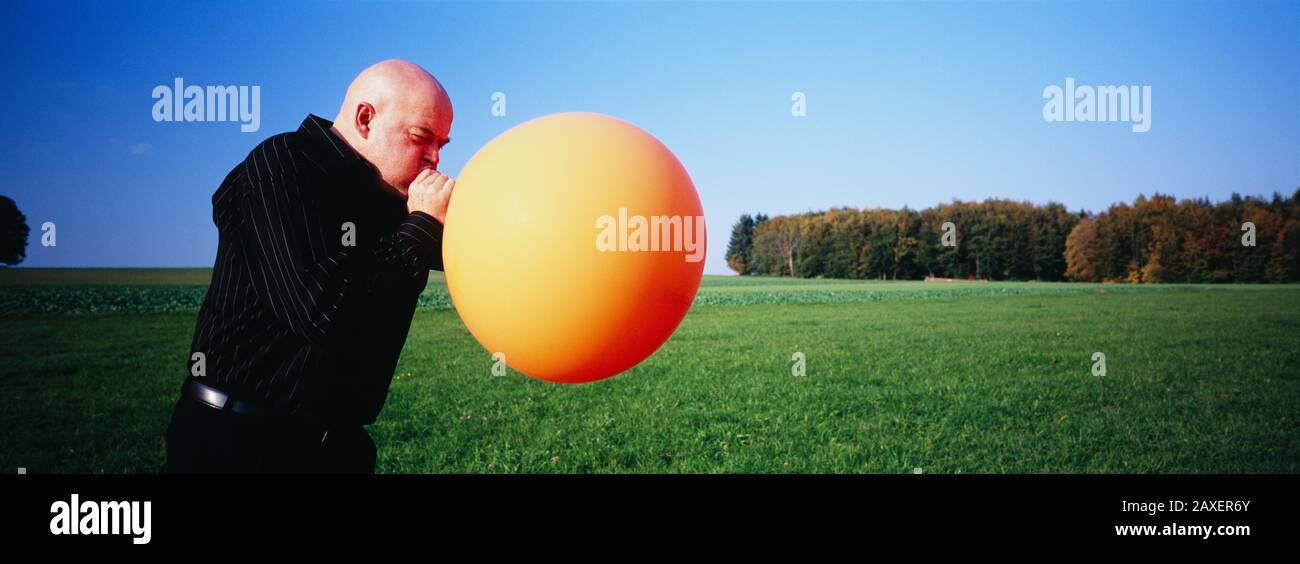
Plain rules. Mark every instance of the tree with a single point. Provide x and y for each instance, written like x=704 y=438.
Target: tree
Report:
x=879 y=231
x=1082 y=262
x=781 y=238
x=906 y=259
x=13 y=232
x=1049 y=228
x=815 y=232
x=741 y=245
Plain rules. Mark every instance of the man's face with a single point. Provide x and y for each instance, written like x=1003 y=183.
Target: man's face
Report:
x=406 y=138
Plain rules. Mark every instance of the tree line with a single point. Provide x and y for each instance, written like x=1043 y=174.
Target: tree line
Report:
x=1152 y=240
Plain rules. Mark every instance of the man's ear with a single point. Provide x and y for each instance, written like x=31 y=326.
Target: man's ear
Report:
x=365 y=114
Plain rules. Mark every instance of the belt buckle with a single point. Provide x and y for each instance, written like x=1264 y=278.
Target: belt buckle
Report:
x=208 y=395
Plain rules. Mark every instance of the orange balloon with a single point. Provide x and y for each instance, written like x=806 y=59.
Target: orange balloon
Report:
x=574 y=244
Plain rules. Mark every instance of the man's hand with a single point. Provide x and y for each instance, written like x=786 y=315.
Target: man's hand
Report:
x=429 y=193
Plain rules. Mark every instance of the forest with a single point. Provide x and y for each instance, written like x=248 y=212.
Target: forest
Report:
x=1152 y=240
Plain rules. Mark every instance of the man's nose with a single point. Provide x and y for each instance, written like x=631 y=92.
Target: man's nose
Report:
x=432 y=158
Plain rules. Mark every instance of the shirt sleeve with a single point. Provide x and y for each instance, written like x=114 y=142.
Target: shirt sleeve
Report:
x=297 y=263
x=415 y=245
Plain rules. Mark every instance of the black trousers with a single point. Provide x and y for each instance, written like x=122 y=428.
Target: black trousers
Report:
x=202 y=439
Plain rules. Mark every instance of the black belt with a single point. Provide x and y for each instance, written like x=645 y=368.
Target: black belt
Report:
x=222 y=401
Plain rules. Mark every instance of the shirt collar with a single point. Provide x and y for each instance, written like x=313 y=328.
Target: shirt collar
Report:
x=320 y=131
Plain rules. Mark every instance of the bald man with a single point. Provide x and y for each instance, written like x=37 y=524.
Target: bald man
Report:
x=326 y=238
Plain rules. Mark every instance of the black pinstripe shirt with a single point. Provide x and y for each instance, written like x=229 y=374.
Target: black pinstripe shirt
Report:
x=295 y=317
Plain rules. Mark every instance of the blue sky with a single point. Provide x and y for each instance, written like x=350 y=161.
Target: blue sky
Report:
x=907 y=104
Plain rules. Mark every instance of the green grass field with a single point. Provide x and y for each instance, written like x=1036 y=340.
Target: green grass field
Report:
x=945 y=377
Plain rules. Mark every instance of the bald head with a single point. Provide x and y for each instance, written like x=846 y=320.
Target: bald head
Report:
x=397 y=116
